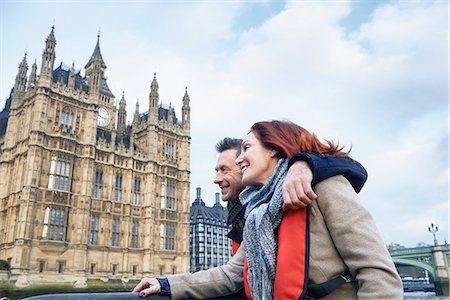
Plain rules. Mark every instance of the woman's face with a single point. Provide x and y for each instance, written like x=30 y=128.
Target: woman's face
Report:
x=257 y=162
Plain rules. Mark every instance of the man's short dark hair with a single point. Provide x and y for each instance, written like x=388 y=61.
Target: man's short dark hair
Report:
x=229 y=143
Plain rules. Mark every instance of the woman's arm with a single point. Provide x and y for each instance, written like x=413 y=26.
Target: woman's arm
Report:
x=355 y=236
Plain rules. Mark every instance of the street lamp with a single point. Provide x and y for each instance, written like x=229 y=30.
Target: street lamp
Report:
x=433 y=229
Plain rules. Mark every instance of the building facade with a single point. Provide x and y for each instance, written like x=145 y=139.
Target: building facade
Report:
x=209 y=244
x=82 y=194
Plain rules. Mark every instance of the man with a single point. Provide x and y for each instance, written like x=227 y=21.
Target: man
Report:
x=306 y=169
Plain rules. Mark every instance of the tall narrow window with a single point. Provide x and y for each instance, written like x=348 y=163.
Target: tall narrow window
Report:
x=163 y=195
x=134 y=233
x=170 y=194
x=66 y=117
x=118 y=188
x=170 y=235
x=59 y=174
x=46 y=221
x=115 y=232
x=41 y=266
x=93 y=239
x=114 y=269
x=60 y=267
x=97 y=190
x=137 y=190
x=161 y=237
x=54 y=223
x=169 y=150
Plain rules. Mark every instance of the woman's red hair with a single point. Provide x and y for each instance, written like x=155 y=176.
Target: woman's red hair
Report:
x=289 y=138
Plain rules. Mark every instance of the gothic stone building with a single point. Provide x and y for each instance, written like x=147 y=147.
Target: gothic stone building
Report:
x=82 y=194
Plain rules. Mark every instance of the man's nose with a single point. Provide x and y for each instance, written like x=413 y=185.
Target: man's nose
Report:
x=217 y=178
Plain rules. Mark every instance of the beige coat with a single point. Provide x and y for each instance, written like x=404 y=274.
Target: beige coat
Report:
x=342 y=232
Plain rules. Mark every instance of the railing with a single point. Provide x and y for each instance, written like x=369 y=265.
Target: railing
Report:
x=84 y=296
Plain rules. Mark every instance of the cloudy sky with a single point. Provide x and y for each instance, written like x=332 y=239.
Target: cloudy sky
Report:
x=370 y=74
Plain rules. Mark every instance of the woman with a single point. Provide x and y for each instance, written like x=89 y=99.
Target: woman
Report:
x=342 y=234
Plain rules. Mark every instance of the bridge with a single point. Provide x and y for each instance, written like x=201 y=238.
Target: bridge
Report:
x=434 y=259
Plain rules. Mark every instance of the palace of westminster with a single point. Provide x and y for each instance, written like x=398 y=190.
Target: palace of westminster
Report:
x=82 y=193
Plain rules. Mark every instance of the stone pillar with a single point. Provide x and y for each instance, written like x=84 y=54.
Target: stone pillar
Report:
x=441 y=280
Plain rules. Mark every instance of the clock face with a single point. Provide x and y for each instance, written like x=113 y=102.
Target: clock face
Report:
x=103 y=117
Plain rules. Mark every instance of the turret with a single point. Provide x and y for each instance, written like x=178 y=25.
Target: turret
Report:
x=186 y=111
x=153 y=101
x=71 y=80
x=48 y=60
x=136 y=115
x=122 y=116
x=170 y=114
x=32 y=79
x=20 y=84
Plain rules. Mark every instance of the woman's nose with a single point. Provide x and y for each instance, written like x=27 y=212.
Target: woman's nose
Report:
x=238 y=160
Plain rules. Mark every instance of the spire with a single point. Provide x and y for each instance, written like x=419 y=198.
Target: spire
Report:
x=122 y=116
x=71 y=81
x=186 y=98
x=51 y=40
x=94 y=70
x=154 y=84
x=136 y=114
x=170 y=114
x=32 y=80
x=186 y=111
x=48 y=59
x=21 y=78
x=122 y=102
x=96 y=55
x=153 y=101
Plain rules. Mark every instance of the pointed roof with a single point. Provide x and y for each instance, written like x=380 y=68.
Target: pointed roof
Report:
x=186 y=96
x=96 y=55
x=24 y=64
x=122 y=102
x=51 y=37
x=154 y=82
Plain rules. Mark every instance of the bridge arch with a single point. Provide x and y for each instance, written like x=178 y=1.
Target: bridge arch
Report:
x=415 y=263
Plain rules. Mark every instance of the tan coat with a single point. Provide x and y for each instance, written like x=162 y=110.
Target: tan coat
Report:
x=342 y=232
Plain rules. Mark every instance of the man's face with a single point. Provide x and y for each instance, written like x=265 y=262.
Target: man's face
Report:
x=228 y=177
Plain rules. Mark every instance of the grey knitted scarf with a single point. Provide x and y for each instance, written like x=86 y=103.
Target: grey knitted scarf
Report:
x=263 y=216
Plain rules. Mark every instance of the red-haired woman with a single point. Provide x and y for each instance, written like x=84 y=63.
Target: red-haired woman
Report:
x=335 y=237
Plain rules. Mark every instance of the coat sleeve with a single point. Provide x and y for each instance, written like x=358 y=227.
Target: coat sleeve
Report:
x=326 y=166
x=358 y=241
x=215 y=282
